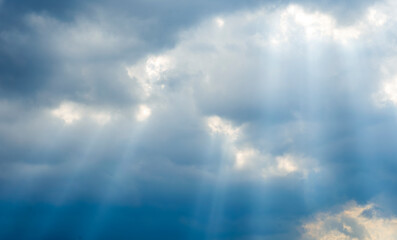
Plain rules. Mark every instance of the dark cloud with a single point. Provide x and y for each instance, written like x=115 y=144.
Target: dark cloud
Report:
x=29 y=62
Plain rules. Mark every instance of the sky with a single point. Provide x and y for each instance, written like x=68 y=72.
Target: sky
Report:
x=210 y=120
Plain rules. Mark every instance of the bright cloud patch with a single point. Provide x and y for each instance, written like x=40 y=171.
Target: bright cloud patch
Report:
x=315 y=25
x=255 y=162
x=218 y=125
x=376 y=17
x=387 y=93
x=219 y=22
x=286 y=164
x=246 y=157
x=143 y=113
x=155 y=66
x=71 y=112
x=266 y=166
x=354 y=222
x=68 y=112
x=150 y=73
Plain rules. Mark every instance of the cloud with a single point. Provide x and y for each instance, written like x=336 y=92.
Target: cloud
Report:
x=254 y=163
x=67 y=112
x=143 y=113
x=218 y=125
x=222 y=76
x=71 y=112
x=150 y=74
x=219 y=120
x=220 y=22
x=353 y=222
x=388 y=93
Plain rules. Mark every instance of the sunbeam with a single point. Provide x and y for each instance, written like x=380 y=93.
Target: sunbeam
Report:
x=198 y=120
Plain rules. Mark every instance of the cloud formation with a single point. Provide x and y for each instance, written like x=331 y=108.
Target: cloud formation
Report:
x=197 y=120
x=353 y=222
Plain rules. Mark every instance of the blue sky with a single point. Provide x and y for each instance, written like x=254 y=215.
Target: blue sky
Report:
x=198 y=120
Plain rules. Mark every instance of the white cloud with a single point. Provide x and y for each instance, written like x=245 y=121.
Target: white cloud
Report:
x=315 y=25
x=354 y=222
x=265 y=166
x=376 y=17
x=143 y=113
x=288 y=163
x=68 y=112
x=150 y=72
x=218 y=125
x=156 y=65
x=387 y=93
x=71 y=112
x=219 y=22
x=250 y=160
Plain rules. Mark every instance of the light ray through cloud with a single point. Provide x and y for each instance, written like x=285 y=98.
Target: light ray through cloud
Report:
x=198 y=119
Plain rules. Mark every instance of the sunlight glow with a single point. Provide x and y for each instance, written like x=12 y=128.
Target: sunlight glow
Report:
x=220 y=22
x=355 y=222
x=143 y=113
x=244 y=157
x=286 y=164
x=376 y=17
x=218 y=125
x=388 y=93
x=68 y=112
x=315 y=25
x=150 y=72
x=71 y=112
x=156 y=65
